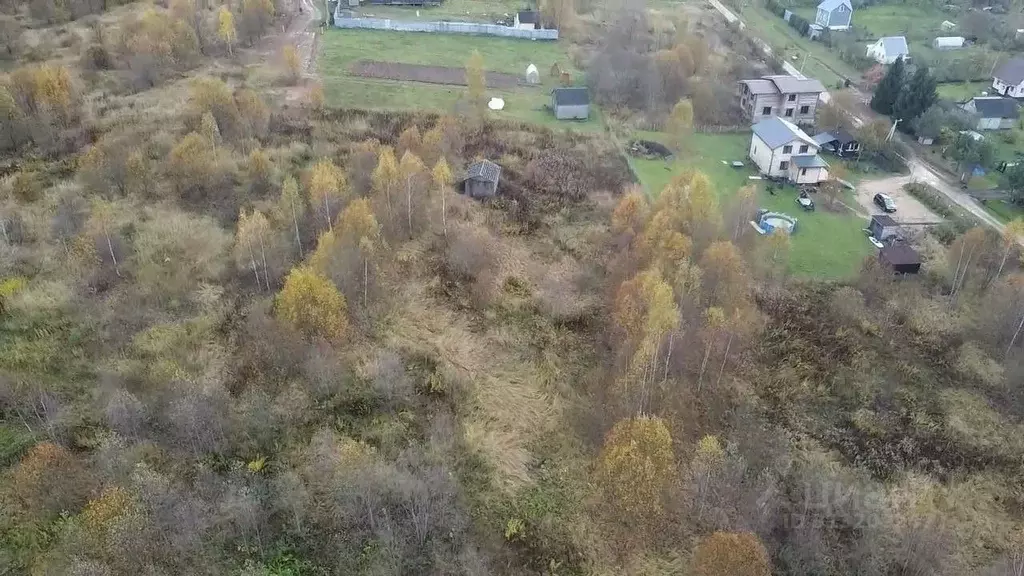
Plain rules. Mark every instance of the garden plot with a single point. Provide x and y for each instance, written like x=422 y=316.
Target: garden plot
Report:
x=427 y=74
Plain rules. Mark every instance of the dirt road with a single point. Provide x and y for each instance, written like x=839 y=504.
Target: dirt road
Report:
x=909 y=210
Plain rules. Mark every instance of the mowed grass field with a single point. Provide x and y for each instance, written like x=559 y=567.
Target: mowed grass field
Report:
x=827 y=245
x=460 y=10
x=340 y=48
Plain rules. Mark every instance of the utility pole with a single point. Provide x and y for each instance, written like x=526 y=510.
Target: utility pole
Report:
x=893 y=129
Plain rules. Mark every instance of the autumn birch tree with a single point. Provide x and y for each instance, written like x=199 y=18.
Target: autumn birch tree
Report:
x=101 y=223
x=358 y=227
x=327 y=186
x=635 y=466
x=385 y=176
x=226 y=28
x=310 y=304
x=250 y=244
x=476 y=81
x=441 y=176
x=292 y=207
x=1013 y=235
x=411 y=169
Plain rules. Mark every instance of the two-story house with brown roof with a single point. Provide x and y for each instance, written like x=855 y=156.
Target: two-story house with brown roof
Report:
x=784 y=96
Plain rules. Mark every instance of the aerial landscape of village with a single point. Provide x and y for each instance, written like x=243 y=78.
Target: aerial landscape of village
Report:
x=511 y=287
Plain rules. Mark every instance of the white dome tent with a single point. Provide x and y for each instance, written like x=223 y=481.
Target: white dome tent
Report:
x=532 y=75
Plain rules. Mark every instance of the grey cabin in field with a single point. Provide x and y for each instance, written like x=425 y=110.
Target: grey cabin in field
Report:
x=834 y=14
x=481 y=179
x=570 y=103
x=781 y=95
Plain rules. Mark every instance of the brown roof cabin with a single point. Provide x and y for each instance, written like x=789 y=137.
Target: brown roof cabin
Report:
x=901 y=258
x=481 y=179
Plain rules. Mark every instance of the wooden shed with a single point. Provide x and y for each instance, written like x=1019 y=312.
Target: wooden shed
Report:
x=481 y=179
x=901 y=258
x=883 y=227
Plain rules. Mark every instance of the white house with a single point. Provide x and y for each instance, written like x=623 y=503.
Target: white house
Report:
x=782 y=150
x=527 y=20
x=834 y=14
x=948 y=42
x=1008 y=79
x=888 y=49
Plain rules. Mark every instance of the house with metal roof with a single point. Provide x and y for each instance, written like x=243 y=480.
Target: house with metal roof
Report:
x=780 y=149
x=481 y=180
x=889 y=49
x=834 y=14
x=794 y=99
x=993 y=112
x=570 y=103
x=1008 y=79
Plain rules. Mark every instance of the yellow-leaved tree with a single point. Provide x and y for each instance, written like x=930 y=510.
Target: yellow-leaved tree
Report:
x=358 y=227
x=411 y=169
x=1013 y=235
x=476 y=81
x=312 y=305
x=631 y=212
x=385 y=175
x=292 y=62
x=226 y=28
x=680 y=123
x=327 y=186
x=731 y=554
x=442 y=177
x=250 y=244
x=635 y=466
x=292 y=207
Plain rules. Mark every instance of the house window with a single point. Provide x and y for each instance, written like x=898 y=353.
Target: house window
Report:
x=803 y=171
x=805 y=109
x=791 y=98
x=784 y=165
x=803 y=149
x=767 y=110
x=787 y=149
x=789 y=112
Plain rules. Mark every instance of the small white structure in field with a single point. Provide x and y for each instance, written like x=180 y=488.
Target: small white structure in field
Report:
x=496 y=103
x=532 y=74
x=948 y=42
x=947 y=26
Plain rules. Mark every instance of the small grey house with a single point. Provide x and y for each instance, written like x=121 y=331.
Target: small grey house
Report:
x=993 y=112
x=780 y=95
x=570 y=103
x=481 y=179
x=883 y=227
x=834 y=14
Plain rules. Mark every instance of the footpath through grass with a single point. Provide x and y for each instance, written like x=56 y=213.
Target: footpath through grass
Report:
x=340 y=48
x=828 y=245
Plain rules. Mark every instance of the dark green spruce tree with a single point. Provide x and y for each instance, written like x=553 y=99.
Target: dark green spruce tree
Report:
x=917 y=96
x=888 y=90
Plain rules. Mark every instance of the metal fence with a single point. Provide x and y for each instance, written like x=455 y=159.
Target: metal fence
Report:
x=442 y=27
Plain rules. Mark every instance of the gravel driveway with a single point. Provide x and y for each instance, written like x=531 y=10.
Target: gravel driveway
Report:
x=908 y=209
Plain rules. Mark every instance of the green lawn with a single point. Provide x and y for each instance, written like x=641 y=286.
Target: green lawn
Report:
x=960 y=91
x=820 y=62
x=1004 y=211
x=340 y=48
x=915 y=22
x=827 y=245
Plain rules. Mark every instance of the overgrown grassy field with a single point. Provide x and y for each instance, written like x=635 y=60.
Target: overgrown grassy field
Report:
x=1005 y=211
x=340 y=48
x=827 y=245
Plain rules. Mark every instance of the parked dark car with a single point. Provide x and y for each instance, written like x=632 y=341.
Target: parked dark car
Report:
x=885 y=202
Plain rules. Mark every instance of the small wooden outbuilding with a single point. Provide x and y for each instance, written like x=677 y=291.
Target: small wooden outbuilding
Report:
x=883 y=227
x=901 y=258
x=481 y=179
